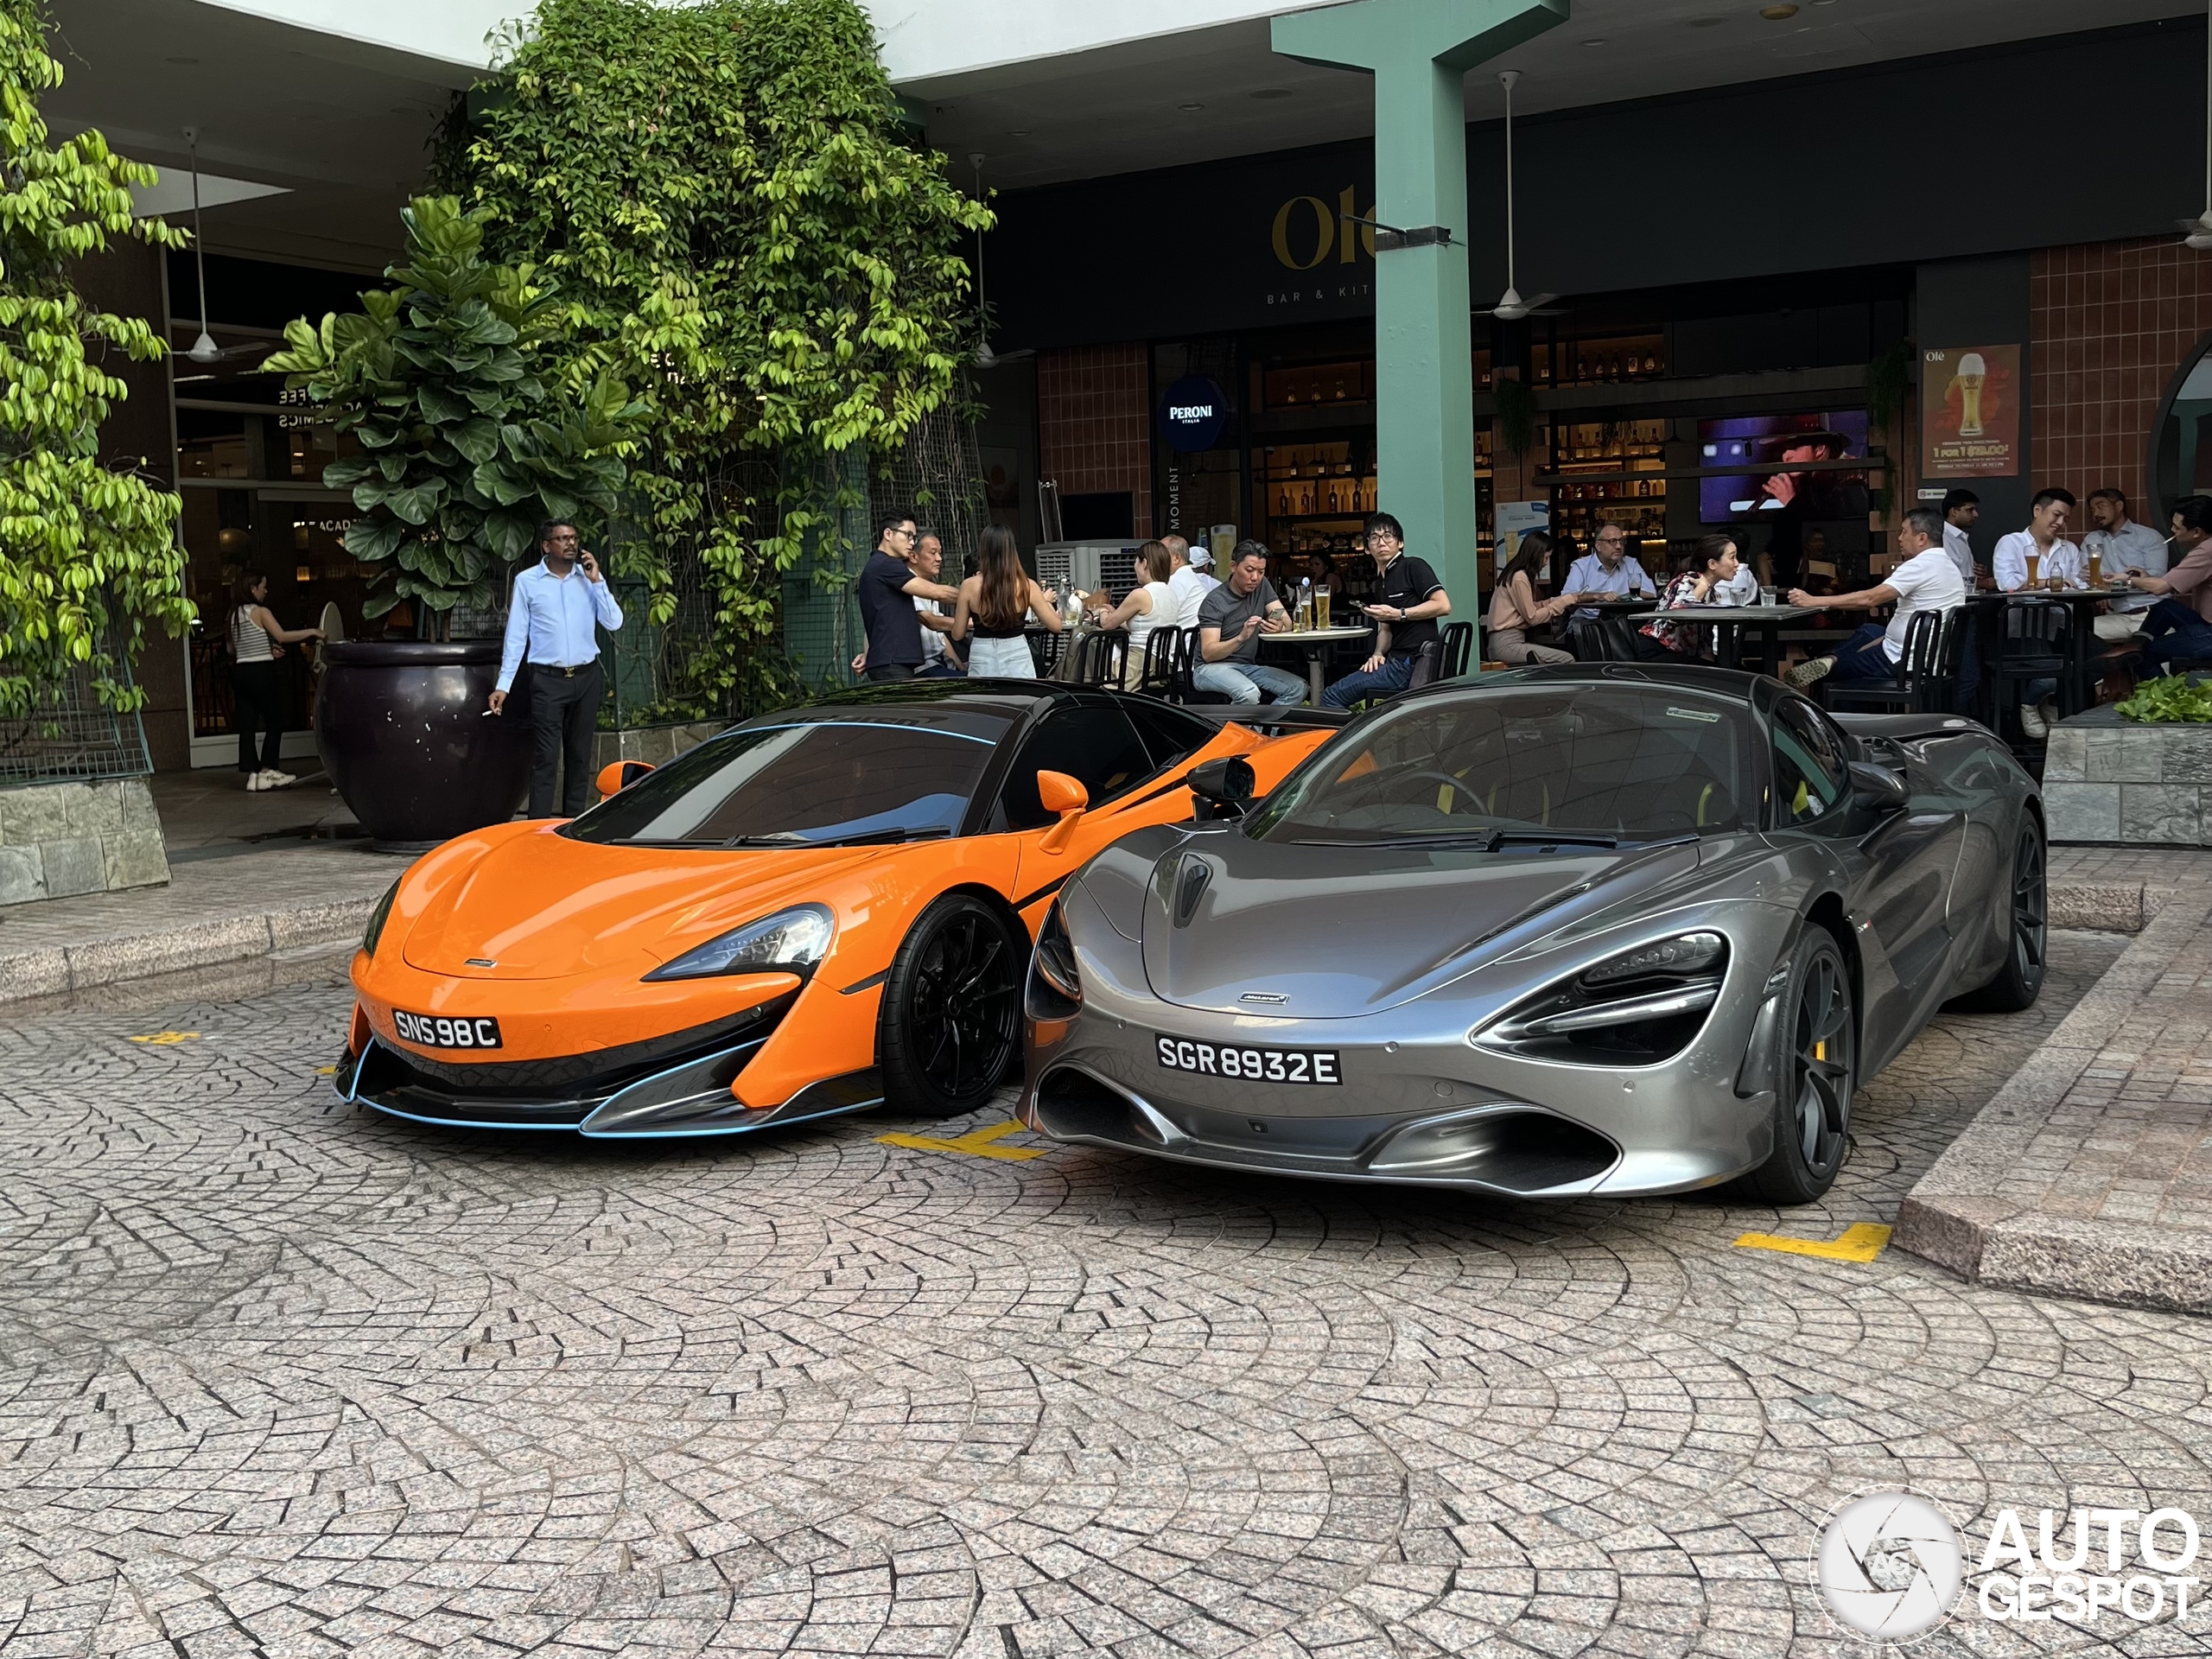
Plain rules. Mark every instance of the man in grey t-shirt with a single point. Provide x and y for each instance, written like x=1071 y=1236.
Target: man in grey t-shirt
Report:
x=1231 y=618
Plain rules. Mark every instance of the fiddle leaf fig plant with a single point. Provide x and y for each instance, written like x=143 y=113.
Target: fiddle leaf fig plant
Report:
x=463 y=449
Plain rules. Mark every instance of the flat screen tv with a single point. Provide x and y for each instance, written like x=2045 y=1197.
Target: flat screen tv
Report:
x=1771 y=486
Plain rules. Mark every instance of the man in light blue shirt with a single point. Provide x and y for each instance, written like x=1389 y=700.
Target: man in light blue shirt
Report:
x=559 y=606
x=1607 y=569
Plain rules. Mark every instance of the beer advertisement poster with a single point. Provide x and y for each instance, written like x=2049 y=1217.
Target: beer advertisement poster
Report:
x=1970 y=412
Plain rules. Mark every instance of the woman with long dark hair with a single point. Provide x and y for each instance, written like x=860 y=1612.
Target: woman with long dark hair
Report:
x=997 y=601
x=1514 y=608
x=257 y=685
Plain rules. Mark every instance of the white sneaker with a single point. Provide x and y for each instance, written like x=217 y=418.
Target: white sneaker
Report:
x=257 y=780
x=2048 y=709
x=1812 y=669
x=283 y=779
x=2032 y=724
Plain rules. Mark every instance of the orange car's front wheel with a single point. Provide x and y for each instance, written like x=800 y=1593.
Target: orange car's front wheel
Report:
x=951 y=1022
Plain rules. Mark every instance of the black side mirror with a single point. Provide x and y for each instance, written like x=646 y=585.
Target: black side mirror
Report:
x=1879 y=787
x=1222 y=789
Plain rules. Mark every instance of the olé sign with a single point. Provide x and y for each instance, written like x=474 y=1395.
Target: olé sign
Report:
x=1309 y=232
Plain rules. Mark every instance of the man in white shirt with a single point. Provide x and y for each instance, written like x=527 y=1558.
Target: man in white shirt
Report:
x=2059 y=563
x=1186 y=584
x=2122 y=547
x=940 y=661
x=1962 y=511
x=1606 y=568
x=1925 y=579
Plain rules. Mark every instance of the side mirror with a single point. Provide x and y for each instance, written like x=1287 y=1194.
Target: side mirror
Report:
x=618 y=775
x=1222 y=789
x=1066 y=796
x=1879 y=787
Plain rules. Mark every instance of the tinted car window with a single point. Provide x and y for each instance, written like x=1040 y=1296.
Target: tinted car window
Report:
x=1810 y=769
x=1093 y=742
x=1169 y=732
x=801 y=784
x=1631 y=761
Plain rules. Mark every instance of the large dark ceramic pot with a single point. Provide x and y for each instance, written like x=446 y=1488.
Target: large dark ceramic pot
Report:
x=402 y=728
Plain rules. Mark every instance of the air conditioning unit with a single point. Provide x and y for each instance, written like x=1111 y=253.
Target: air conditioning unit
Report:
x=1089 y=565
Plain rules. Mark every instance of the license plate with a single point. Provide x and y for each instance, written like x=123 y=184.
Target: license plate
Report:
x=1248 y=1064
x=436 y=1031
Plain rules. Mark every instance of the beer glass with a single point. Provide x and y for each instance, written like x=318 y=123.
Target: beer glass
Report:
x=1973 y=372
x=2096 y=568
x=1320 y=607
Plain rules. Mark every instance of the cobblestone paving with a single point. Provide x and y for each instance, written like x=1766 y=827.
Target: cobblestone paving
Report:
x=281 y=1378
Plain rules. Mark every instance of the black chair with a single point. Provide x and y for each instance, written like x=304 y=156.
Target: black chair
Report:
x=1186 y=663
x=1099 y=658
x=1927 y=678
x=1601 y=639
x=1459 y=650
x=1162 y=646
x=2036 y=642
x=1045 y=649
x=1426 y=665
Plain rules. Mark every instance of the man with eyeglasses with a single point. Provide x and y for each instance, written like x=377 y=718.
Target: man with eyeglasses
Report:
x=1607 y=569
x=887 y=589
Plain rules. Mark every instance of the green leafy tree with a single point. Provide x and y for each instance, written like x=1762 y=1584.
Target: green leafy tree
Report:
x=742 y=231
x=88 y=555
x=463 y=451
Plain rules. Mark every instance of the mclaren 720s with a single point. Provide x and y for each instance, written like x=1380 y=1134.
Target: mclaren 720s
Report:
x=817 y=910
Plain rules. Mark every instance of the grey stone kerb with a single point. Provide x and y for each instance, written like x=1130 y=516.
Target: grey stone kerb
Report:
x=60 y=840
x=2112 y=781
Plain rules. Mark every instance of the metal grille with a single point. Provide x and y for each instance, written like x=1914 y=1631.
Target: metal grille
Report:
x=70 y=736
x=939 y=477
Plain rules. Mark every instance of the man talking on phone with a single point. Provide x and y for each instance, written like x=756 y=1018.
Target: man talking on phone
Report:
x=559 y=605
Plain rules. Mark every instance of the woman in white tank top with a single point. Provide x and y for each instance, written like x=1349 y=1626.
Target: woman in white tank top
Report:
x=257 y=683
x=1149 y=606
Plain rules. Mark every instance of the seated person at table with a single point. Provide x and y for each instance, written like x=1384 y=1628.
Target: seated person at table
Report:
x=1324 y=574
x=1149 y=605
x=1231 y=618
x=2061 y=564
x=2178 y=626
x=1924 y=580
x=1514 y=608
x=1712 y=563
x=1742 y=588
x=994 y=609
x=1607 y=572
x=2122 y=547
x=1405 y=618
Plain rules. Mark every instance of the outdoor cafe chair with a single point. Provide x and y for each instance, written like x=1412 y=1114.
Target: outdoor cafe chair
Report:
x=1927 y=678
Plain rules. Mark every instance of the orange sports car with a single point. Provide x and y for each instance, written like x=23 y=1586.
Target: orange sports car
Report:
x=818 y=910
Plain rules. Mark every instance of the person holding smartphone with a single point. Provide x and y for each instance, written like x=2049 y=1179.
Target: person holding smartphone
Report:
x=559 y=606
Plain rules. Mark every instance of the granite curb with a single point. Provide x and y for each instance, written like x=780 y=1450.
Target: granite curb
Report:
x=52 y=971
x=1974 y=1212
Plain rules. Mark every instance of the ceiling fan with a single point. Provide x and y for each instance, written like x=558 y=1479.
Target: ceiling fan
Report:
x=1511 y=308
x=204 y=349
x=985 y=357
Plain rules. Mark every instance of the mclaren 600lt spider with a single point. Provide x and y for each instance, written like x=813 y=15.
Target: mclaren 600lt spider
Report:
x=816 y=911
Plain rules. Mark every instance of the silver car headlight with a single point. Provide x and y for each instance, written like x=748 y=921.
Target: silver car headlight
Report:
x=791 y=942
x=1055 y=989
x=1636 y=1008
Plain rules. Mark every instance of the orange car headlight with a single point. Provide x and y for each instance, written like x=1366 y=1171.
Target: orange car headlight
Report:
x=791 y=940
x=378 y=918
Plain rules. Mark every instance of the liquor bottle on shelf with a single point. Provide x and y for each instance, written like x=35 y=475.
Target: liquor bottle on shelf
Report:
x=1340 y=388
x=1283 y=505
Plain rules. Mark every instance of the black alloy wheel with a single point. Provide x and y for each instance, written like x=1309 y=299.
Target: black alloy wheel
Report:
x=2019 y=982
x=951 y=1021
x=1815 y=1077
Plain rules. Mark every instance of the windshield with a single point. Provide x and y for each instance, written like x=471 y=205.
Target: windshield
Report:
x=800 y=785
x=1606 y=763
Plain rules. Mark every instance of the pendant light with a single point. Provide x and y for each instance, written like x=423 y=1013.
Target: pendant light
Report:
x=204 y=349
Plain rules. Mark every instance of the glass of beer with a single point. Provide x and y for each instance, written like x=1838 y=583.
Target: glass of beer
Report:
x=1972 y=374
x=2035 y=566
x=1320 y=607
x=2096 y=568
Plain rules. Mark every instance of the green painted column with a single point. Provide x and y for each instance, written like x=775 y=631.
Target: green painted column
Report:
x=1419 y=52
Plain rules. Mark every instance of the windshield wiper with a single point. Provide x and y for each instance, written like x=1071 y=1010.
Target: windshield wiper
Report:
x=860 y=838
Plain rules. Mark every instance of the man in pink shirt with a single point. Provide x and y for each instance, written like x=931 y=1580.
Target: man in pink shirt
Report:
x=2179 y=626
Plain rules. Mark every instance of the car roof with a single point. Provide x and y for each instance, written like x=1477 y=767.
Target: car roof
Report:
x=1688 y=676
x=987 y=708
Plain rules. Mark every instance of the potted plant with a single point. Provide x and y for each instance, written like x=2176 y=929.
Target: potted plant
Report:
x=463 y=449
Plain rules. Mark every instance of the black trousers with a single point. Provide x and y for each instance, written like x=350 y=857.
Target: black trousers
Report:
x=879 y=672
x=564 y=715
x=258 y=701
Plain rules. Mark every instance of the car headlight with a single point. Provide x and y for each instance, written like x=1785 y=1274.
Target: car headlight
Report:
x=1689 y=953
x=1055 y=986
x=378 y=917
x=791 y=940
x=1639 y=1008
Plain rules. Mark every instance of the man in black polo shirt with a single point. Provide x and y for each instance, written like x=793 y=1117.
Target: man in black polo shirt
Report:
x=887 y=589
x=1405 y=618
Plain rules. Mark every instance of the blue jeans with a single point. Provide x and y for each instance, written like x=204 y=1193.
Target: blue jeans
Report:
x=2175 y=632
x=1393 y=676
x=1862 y=659
x=1249 y=681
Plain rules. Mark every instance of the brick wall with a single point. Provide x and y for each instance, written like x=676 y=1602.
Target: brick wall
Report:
x=2111 y=321
x=1093 y=424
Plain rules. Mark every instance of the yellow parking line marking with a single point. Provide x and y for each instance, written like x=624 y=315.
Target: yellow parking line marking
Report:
x=168 y=1039
x=1861 y=1242
x=976 y=1143
x=325 y=1070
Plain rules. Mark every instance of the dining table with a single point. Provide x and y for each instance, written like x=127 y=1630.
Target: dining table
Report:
x=1315 y=642
x=1767 y=621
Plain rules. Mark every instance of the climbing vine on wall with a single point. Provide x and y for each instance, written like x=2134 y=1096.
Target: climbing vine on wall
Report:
x=741 y=231
x=88 y=553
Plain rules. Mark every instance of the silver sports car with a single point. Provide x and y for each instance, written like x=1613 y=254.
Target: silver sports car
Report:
x=1609 y=928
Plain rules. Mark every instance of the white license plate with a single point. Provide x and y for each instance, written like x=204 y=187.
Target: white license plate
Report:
x=436 y=1031
x=1248 y=1064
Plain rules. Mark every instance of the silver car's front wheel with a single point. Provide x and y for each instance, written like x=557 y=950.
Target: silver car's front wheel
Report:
x=1815 y=1069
